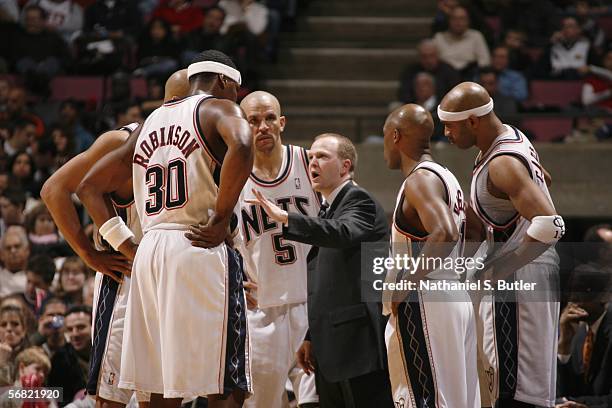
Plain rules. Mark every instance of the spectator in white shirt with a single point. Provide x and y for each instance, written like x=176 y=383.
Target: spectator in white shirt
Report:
x=462 y=47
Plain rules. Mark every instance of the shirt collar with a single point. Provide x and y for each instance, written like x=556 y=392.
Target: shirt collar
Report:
x=595 y=326
x=332 y=196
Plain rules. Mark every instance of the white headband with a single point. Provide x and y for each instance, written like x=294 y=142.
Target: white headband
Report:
x=216 y=68
x=463 y=115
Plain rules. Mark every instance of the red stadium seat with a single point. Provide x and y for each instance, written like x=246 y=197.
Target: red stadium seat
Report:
x=555 y=93
x=547 y=129
x=80 y=88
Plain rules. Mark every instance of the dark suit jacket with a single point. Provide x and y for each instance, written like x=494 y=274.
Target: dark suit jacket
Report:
x=571 y=381
x=347 y=334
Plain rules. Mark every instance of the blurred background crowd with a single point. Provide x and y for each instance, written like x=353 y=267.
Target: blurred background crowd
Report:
x=71 y=69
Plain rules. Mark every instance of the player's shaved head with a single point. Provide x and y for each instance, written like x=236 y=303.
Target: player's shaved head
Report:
x=412 y=119
x=407 y=131
x=261 y=98
x=466 y=95
x=177 y=86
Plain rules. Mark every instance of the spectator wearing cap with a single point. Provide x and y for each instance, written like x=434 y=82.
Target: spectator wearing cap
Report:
x=14 y=251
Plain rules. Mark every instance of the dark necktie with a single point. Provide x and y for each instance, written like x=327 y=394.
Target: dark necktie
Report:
x=323 y=210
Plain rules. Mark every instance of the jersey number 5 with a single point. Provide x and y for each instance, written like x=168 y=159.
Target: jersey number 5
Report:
x=284 y=254
x=167 y=187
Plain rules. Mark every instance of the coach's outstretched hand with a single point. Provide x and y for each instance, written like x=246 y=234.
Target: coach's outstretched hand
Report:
x=273 y=210
x=111 y=264
x=304 y=357
x=210 y=235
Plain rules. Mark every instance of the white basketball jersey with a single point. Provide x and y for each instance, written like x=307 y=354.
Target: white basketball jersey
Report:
x=173 y=170
x=277 y=265
x=502 y=221
x=125 y=209
x=402 y=239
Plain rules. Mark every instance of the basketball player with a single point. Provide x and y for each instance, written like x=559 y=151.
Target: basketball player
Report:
x=186 y=323
x=431 y=343
x=112 y=279
x=276 y=267
x=510 y=199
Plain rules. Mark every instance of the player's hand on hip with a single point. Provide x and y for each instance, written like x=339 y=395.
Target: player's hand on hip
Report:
x=111 y=264
x=305 y=358
x=210 y=235
x=128 y=249
x=251 y=300
x=273 y=210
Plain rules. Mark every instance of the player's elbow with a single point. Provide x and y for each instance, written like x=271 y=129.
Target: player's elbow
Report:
x=84 y=191
x=50 y=190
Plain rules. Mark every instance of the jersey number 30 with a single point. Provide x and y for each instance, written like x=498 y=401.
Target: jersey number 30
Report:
x=167 y=187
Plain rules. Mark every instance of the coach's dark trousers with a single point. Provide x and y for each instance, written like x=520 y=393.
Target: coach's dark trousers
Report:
x=366 y=391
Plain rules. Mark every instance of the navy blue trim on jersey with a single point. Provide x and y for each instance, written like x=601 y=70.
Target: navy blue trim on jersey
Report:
x=235 y=375
x=109 y=289
x=200 y=131
x=510 y=222
x=119 y=202
x=518 y=138
x=283 y=173
x=416 y=355
x=506 y=334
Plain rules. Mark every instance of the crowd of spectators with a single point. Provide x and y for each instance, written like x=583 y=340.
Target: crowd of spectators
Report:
x=46 y=292
x=504 y=45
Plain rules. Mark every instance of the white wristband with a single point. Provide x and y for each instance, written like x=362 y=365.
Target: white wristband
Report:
x=115 y=232
x=546 y=228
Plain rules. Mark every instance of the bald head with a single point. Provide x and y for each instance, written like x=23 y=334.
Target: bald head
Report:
x=407 y=131
x=413 y=119
x=177 y=86
x=261 y=99
x=466 y=95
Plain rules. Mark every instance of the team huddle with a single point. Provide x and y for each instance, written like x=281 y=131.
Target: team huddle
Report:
x=217 y=248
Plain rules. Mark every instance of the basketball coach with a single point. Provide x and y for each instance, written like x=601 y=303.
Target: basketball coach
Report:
x=345 y=344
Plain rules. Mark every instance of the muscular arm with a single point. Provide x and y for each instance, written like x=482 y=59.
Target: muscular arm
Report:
x=426 y=194
x=106 y=176
x=57 y=191
x=510 y=176
x=226 y=119
x=238 y=162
